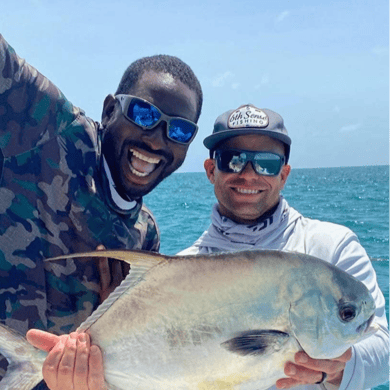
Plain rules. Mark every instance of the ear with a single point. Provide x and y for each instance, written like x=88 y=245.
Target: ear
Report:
x=209 y=166
x=286 y=169
x=108 y=108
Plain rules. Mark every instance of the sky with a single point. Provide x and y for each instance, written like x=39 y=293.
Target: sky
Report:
x=323 y=67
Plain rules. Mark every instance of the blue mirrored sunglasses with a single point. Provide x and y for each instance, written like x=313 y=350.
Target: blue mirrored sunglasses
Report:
x=235 y=160
x=147 y=116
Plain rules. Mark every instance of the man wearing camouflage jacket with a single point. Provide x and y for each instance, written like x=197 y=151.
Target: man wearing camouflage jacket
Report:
x=69 y=184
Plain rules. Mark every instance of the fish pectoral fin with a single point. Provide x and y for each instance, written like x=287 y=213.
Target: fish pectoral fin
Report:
x=256 y=342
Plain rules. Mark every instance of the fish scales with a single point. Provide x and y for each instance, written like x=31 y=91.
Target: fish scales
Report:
x=228 y=320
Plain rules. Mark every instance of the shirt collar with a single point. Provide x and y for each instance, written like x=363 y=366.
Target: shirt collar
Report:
x=123 y=204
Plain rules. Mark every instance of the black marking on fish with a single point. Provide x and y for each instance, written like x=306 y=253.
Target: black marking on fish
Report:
x=256 y=342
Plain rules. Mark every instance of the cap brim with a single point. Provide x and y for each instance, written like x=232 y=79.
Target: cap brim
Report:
x=212 y=140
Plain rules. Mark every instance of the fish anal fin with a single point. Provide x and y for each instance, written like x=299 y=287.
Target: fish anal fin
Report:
x=21 y=377
x=256 y=342
x=24 y=371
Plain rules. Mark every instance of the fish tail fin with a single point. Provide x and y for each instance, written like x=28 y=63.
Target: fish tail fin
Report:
x=132 y=257
x=24 y=361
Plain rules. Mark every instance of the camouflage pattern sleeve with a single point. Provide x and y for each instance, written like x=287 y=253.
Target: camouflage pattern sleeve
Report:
x=152 y=238
x=54 y=200
x=32 y=109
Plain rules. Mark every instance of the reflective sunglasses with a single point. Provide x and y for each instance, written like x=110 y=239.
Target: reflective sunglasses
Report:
x=147 y=116
x=235 y=160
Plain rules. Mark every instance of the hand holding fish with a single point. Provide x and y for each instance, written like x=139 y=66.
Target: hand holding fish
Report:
x=307 y=370
x=72 y=363
x=112 y=272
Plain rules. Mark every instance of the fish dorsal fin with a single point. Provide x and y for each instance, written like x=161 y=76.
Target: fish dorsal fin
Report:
x=140 y=261
x=132 y=257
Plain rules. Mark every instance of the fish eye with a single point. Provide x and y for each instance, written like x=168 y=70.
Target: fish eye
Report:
x=347 y=313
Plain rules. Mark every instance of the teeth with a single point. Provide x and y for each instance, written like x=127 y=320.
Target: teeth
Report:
x=140 y=174
x=145 y=158
x=246 y=191
x=141 y=165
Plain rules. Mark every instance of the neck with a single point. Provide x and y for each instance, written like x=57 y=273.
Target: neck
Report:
x=268 y=213
x=256 y=221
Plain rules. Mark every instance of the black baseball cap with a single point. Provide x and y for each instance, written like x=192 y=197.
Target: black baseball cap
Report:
x=248 y=119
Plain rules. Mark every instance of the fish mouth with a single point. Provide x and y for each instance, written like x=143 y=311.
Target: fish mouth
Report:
x=142 y=164
x=368 y=327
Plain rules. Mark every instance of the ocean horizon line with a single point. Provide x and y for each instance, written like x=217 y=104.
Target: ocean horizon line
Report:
x=297 y=168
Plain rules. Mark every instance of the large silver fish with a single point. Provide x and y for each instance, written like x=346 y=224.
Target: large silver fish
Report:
x=225 y=321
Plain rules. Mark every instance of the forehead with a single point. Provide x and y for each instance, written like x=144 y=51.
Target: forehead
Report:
x=170 y=95
x=254 y=142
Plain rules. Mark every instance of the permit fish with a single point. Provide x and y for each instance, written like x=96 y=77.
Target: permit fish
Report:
x=222 y=321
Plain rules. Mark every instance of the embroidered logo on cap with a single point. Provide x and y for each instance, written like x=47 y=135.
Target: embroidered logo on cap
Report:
x=247 y=116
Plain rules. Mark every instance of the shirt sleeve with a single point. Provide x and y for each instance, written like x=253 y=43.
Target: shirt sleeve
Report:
x=369 y=365
x=32 y=109
x=190 y=251
x=152 y=237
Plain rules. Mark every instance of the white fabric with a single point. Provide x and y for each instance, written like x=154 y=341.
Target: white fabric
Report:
x=119 y=201
x=226 y=235
x=287 y=229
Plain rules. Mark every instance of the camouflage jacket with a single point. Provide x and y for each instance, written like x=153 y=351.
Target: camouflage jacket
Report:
x=54 y=199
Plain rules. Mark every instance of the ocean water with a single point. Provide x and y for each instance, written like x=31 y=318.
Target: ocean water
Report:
x=356 y=197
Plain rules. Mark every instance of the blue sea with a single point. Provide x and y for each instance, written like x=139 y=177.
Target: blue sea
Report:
x=356 y=197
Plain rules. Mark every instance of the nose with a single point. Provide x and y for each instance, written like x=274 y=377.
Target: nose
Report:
x=156 y=138
x=249 y=171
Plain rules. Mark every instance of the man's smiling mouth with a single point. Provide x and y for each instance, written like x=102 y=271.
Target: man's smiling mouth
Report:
x=140 y=164
x=247 y=191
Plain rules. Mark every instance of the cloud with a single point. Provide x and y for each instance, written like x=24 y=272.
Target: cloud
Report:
x=282 y=16
x=381 y=50
x=336 y=109
x=350 y=128
x=235 y=85
x=264 y=80
x=221 y=79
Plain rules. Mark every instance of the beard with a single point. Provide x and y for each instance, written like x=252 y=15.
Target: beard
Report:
x=126 y=188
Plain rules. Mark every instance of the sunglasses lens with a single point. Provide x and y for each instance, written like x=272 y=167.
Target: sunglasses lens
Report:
x=181 y=131
x=237 y=162
x=143 y=114
x=267 y=164
x=230 y=161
